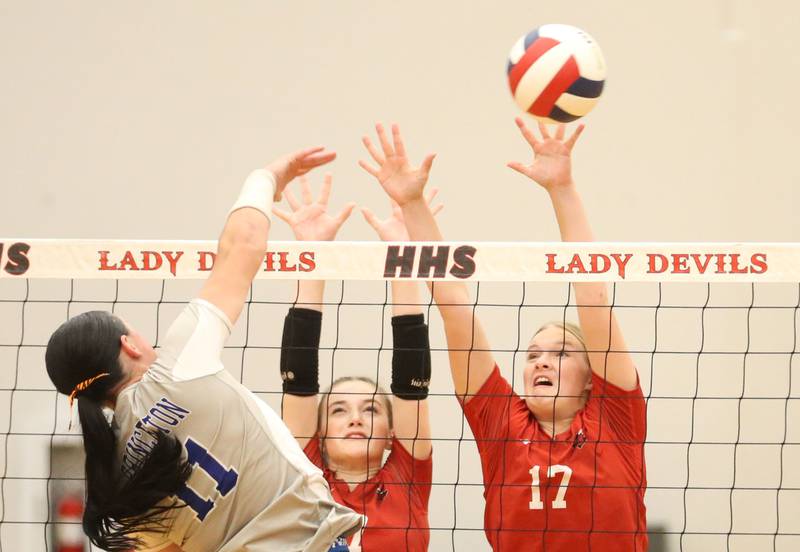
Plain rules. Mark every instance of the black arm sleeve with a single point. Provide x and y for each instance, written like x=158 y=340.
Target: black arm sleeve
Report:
x=300 y=352
x=411 y=359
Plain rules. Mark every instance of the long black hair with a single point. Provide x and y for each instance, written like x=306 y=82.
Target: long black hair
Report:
x=117 y=506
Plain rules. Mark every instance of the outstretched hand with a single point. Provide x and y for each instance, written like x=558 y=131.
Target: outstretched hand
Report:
x=552 y=165
x=309 y=219
x=402 y=182
x=394 y=227
x=295 y=164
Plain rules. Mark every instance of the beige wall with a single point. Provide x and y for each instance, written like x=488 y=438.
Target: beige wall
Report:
x=139 y=120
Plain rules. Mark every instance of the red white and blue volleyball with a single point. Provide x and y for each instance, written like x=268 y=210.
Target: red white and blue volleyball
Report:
x=556 y=73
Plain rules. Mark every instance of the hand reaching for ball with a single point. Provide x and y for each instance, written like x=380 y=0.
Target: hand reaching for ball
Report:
x=551 y=167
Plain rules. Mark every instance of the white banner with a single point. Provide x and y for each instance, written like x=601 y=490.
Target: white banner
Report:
x=470 y=261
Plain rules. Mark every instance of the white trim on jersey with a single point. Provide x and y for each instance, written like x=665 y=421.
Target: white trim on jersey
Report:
x=198 y=354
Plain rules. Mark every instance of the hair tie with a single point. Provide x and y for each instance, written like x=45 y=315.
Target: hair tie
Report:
x=82 y=386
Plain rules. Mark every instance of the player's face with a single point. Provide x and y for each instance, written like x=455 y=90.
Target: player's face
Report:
x=556 y=366
x=355 y=425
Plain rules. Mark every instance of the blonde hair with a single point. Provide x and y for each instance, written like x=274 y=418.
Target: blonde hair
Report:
x=569 y=327
x=572 y=329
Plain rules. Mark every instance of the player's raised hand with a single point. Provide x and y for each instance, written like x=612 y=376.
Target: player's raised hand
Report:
x=394 y=227
x=309 y=218
x=552 y=165
x=295 y=164
x=402 y=182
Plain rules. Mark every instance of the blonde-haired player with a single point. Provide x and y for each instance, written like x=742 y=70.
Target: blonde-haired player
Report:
x=563 y=467
x=194 y=461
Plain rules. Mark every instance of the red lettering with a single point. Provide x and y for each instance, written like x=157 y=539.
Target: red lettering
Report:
x=576 y=265
x=720 y=258
x=173 y=260
x=269 y=262
x=147 y=256
x=701 y=266
x=680 y=263
x=205 y=260
x=735 y=268
x=284 y=262
x=595 y=263
x=104 y=261
x=551 y=264
x=622 y=262
x=759 y=262
x=307 y=262
x=657 y=263
x=127 y=262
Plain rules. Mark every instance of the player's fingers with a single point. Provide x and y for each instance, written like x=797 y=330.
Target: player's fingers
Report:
x=519 y=167
x=344 y=214
x=305 y=190
x=370 y=217
x=281 y=214
x=397 y=138
x=325 y=191
x=397 y=211
x=302 y=154
x=369 y=168
x=384 y=140
x=560 y=131
x=570 y=143
x=427 y=163
x=435 y=210
x=373 y=151
x=318 y=159
x=293 y=203
x=526 y=132
x=543 y=130
x=433 y=193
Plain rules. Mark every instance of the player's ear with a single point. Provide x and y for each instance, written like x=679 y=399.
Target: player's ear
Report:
x=129 y=347
x=388 y=445
x=588 y=387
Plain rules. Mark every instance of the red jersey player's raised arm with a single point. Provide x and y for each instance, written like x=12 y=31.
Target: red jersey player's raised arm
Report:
x=471 y=361
x=310 y=221
x=547 y=485
x=346 y=429
x=551 y=169
x=598 y=336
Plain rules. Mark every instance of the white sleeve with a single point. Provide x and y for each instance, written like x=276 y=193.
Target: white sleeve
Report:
x=193 y=345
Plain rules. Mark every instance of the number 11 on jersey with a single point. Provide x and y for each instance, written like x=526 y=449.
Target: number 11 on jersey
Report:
x=560 y=501
x=225 y=478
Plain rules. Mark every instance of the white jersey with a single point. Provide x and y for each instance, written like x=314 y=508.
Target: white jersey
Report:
x=252 y=487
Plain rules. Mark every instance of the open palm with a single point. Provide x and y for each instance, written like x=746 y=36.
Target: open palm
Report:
x=552 y=162
x=402 y=182
x=309 y=219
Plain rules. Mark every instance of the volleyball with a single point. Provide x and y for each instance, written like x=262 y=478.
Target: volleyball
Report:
x=556 y=73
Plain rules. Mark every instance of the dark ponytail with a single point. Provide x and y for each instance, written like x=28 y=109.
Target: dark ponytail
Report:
x=117 y=505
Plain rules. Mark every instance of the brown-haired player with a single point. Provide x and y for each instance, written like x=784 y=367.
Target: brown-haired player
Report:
x=347 y=428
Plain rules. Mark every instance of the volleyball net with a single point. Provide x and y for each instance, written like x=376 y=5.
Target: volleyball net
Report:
x=713 y=329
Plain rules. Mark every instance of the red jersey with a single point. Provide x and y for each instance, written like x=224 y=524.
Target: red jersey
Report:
x=395 y=500
x=581 y=490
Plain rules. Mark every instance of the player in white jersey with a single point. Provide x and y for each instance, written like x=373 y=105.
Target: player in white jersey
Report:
x=193 y=461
